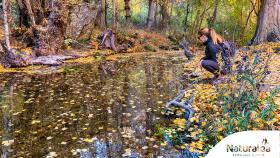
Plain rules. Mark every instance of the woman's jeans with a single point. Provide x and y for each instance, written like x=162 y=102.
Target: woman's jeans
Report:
x=211 y=66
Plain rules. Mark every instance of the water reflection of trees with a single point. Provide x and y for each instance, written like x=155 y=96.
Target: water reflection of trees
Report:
x=125 y=100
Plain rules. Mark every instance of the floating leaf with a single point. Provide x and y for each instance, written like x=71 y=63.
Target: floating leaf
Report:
x=64 y=129
x=63 y=143
x=35 y=122
x=52 y=154
x=49 y=138
x=8 y=142
x=127 y=153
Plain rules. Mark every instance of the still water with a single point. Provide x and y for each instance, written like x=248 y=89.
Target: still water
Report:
x=102 y=109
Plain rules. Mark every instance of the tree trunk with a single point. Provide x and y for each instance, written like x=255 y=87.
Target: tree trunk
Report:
x=103 y=14
x=127 y=12
x=37 y=8
x=195 y=23
x=214 y=16
x=171 y=10
x=268 y=20
x=6 y=24
x=115 y=14
x=202 y=16
x=48 y=40
x=151 y=14
x=186 y=20
x=11 y=57
x=164 y=15
x=23 y=15
x=246 y=24
x=156 y=11
x=30 y=12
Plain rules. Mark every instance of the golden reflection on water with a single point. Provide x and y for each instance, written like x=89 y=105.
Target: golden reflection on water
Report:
x=104 y=109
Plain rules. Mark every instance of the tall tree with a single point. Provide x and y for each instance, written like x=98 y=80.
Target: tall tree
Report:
x=30 y=12
x=115 y=14
x=151 y=14
x=186 y=19
x=164 y=13
x=268 y=20
x=127 y=12
x=6 y=23
x=49 y=39
x=23 y=15
x=156 y=11
x=212 y=19
x=243 y=29
x=103 y=14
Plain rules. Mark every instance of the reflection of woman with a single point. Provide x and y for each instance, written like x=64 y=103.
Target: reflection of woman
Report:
x=211 y=40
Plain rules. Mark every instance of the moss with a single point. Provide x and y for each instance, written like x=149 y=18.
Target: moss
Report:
x=149 y=48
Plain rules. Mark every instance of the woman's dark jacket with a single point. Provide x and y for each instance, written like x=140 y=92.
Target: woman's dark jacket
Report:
x=211 y=50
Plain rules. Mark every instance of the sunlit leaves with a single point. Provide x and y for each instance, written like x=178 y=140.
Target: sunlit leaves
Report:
x=35 y=122
x=229 y=107
x=90 y=140
x=127 y=153
x=52 y=154
x=63 y=143
x=180 y=123
x=8 y=142
x=49 y=138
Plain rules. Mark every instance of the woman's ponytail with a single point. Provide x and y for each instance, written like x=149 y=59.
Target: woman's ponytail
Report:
x=213 y=36
x=216 y=38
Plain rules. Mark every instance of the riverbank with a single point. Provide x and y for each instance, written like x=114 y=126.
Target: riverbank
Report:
x=87 y=50
x=247 y=100
x=119 y=94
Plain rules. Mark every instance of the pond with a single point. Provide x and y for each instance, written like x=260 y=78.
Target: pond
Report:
x=102 y=109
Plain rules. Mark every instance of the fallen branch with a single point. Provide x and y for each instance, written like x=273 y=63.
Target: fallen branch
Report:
x=189 y=112
x=51 y=60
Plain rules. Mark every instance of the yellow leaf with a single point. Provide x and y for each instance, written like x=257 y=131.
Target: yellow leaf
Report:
x=220 y=137
x=7 y=142
x=35 y=122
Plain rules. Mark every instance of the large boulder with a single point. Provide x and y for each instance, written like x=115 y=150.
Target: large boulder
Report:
x=81 y=21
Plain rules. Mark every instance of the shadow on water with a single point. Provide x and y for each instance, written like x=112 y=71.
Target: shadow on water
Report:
x=104 y=109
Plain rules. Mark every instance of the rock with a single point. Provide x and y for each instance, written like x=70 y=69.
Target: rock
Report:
x=185 y=45
x=277 y=50
x=273 y=36
x=81 y=21
x=175 y=47
x=194 y=75
x=164 y=47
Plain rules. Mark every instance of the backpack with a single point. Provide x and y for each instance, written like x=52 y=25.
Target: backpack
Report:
x=228 y=52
